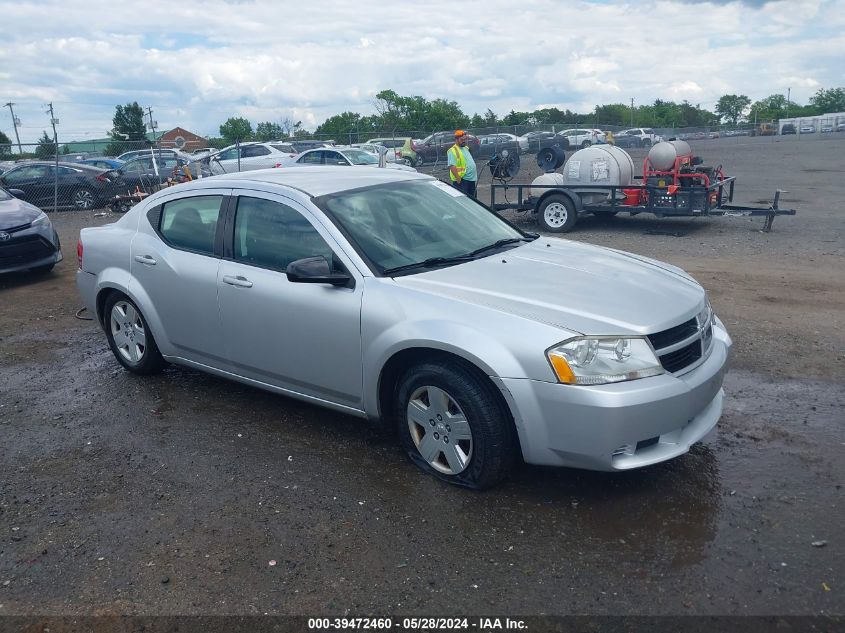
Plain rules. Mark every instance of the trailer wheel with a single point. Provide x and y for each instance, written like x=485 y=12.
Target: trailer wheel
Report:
x=556 y=213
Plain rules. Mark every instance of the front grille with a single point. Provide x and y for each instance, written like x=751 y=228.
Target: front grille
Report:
x=19 y=227
x=673 y=335
x=26 y=249
x=681 y=358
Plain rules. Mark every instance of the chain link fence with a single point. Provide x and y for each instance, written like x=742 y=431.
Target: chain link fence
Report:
x=116 y=174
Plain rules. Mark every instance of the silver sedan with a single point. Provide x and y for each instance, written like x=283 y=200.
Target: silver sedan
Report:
x=390 y=295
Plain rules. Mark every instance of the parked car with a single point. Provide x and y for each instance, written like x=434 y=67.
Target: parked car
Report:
x=840 y=127
x=301 y=145
x=342 y=156
x=79 y=186
x=150 y=151
x=433 y=148
x=808 y=129
x=140 y=173
x=540 y=139
x=490 y=144
x=580 y=137
x=403 y=146
x=412 y=307
x=520 y=141
x=826 y=128
x=6 y=165
x=28 y=240
x=788 y=128
x=102 y=163
x=375 y=149
x=249 y=156
x=636 y=137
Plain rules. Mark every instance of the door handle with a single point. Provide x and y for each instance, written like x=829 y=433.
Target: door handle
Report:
x=240 y=282
x=145 y=259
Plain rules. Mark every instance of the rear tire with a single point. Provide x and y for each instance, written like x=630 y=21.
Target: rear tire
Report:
x=585 y=144
x=129 y=337
x=452 y=425
x=556 y=213
x=83 y=198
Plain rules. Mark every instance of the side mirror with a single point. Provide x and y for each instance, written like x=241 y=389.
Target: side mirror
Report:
x=16 y=192
x=315 y=270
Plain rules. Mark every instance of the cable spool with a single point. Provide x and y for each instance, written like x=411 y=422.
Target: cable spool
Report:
x=504 y=166
x=550 y=158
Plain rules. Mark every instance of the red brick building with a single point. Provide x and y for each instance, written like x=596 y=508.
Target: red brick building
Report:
x=182 y=139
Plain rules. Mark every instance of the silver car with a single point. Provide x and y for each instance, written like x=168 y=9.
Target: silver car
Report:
x=390 y=295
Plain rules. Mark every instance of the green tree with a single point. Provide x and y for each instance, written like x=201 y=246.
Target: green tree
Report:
x=46 y=148
x=128 y=123
x=613 y=114
x=268 y=131
x=731 y=107
x=771 y=108
x=236 y=129
x=825 y=101
x=5 y=145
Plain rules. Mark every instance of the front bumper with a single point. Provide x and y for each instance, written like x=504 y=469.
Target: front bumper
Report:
x=30 y=248
x=619 y=426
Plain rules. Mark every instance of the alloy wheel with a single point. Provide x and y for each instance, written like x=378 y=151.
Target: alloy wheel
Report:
x=440 y=430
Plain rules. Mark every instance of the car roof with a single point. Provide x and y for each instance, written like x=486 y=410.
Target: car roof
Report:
x=50 y=163
x=313 y=181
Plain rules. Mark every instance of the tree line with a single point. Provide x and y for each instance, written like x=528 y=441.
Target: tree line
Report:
x=397 y=114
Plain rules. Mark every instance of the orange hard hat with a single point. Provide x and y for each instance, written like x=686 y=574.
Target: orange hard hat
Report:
x=459 y=133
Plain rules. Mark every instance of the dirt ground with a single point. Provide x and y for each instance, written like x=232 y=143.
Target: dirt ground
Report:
x=172 y=494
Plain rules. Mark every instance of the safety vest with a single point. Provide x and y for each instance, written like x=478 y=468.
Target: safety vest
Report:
x=460 y=162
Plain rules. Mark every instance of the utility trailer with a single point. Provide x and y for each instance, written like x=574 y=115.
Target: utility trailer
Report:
x=677 y=186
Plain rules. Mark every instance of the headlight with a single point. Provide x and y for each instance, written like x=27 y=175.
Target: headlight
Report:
x=600 y=360
x=41 y=219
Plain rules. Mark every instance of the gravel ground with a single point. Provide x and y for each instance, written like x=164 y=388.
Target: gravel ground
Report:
x=173 y=494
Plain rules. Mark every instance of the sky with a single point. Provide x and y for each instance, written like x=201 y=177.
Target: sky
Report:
x=198 y=63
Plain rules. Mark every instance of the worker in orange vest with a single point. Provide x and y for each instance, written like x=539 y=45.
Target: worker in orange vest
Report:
x=462 y=169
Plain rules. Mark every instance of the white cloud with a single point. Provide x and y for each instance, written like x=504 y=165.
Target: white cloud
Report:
x=197 y=64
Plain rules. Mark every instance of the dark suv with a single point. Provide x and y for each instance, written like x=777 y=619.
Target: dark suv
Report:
x=788 y=128
x=433 y=148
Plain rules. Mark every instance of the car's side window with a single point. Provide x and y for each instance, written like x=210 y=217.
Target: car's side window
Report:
x=272 y=235
x=312 y=158
x=252 y=151
x=335 y=158
x=191 y=223
x=229 y=154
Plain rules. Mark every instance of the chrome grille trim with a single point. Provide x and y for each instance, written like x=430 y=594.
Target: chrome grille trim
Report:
x=703 y=333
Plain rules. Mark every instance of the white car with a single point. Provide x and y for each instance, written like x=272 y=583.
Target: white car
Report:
x=581 y=137
x=374 y=149
x=249 y=156
x=344 y=156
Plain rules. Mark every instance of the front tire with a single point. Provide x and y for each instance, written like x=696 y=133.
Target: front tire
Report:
x=453 y=426
x=130 y=339
x=556 y=214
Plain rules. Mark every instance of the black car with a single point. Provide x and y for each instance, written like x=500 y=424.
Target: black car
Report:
x=788 y=128
x=28 y=240
x=540 y=139
x=79 y=186
x=140 y=173
x=433 y=148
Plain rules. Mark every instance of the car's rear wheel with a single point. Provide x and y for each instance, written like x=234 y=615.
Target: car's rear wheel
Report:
x=585 y=144
x=453 y=426
x=84 y=198
x=556 y=213
x=130 y=339
x=646 y=142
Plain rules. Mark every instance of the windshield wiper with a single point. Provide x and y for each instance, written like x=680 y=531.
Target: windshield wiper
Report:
x=495 y=245
x=431 y=262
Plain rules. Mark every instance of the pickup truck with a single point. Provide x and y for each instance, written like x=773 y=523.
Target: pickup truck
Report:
x=636 y=137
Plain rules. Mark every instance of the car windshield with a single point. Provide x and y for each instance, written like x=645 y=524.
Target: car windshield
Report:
x=4 y=195
x=360 y=157
x=416 y=225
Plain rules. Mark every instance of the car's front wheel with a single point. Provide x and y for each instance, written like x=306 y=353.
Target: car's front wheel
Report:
x=130 y=339
x=453 y=426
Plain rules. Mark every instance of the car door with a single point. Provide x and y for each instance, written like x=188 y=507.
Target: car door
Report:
x=256 y=157
x=331 y=157
x=32 y=180
x=311 y=158
x=301 y=337
x=174 y=260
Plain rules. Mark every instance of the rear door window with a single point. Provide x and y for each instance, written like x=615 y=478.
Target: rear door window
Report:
x=191 y=223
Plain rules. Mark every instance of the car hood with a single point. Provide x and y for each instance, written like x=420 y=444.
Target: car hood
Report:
x=16 y=212
x=572 y=286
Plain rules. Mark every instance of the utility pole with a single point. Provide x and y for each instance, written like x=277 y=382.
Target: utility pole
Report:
x=632 y=111
x=53 y=121
x=788 y=93
x=153 y=129
x=15 y=122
